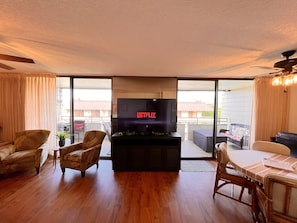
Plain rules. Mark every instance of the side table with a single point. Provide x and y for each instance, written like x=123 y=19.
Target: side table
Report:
x=55 y=150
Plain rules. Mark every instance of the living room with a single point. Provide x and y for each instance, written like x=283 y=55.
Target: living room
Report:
x=105 y=165
x=144 y=48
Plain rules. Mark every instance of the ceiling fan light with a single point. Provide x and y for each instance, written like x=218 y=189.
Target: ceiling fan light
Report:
x=277 y=80
x=288 y=80
x=295 y=78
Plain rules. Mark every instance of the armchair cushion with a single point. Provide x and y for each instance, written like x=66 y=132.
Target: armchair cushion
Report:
x=82 y=156
x=74 y=156
x=22 y=156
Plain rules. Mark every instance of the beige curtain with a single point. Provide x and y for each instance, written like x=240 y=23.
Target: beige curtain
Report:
x=12 y=103
x=27 y=102
x=270 y=109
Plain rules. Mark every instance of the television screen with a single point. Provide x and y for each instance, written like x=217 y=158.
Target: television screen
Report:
x=147 y=115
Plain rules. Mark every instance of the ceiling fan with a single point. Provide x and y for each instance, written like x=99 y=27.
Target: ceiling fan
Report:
x=287 y=70
x=15 y=59
x=287 y=65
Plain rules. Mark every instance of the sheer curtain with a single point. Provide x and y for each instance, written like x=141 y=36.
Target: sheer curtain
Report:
x=27 y=102
x=270 y=109
x=40 y=106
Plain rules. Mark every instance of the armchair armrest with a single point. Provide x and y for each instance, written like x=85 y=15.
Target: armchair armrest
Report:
x=68 y=149
x=223 y=131
x=41 y=155
x=6 y=151
x=89 y=154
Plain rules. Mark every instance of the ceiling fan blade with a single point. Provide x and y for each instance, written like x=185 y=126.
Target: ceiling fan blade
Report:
x=267 y=68
x=6 y=67
x=15 y=58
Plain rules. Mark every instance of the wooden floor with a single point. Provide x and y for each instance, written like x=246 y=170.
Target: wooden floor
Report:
x=108 y=196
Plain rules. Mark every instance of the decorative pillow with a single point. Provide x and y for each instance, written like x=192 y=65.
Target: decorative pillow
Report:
x=30 y=139
x=239 y=132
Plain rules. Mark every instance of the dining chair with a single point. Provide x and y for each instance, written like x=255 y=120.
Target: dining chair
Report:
x=277 y=199
x=272 y=147
x=227 y=175
x=80 y=156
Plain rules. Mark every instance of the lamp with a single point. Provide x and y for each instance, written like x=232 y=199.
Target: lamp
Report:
x=284 y=79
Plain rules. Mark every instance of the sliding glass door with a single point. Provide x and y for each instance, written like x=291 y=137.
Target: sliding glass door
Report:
x=91 y=105
x=211 y=111
x=84 y=104
x=235 y=111
x=196 y=104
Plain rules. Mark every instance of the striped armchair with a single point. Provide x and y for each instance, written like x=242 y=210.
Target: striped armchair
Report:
x=29 y=150
x=80 y=156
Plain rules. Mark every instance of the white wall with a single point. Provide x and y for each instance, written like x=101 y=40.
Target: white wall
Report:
x=237 y=105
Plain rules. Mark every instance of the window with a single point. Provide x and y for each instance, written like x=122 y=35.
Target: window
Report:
x=197 y=109
x=83 y=104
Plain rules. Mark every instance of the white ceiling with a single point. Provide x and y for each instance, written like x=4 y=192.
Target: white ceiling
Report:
x=176 y=38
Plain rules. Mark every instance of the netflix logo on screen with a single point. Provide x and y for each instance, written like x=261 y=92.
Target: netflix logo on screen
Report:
x=152 y=115
x=146 y=115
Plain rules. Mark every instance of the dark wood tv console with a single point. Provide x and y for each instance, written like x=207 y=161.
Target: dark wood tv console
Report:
x=146 y=152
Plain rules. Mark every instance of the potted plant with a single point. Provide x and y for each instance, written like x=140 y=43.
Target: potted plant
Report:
x=62 y=136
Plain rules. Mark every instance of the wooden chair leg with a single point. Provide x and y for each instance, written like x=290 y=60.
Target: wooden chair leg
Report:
x=215 y=187
x=83 y=174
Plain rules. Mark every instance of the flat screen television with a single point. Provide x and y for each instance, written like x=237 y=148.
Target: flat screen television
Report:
x=147 y=116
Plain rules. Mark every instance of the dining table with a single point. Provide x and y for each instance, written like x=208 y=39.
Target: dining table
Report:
x=255 y=165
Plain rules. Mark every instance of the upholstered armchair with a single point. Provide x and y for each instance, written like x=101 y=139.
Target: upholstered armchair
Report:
x=27 y=151
x=80 y=156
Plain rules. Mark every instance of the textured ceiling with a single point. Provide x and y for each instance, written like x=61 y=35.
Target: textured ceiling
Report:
x=176 y=38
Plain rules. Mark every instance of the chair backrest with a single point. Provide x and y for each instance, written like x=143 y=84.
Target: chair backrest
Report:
x=222 y=157
x=30 y=139
x=282 y=198
x=221 y=151
x=272 y=147
x=92 y=138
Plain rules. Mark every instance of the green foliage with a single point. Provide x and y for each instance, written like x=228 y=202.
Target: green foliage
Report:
x=62 y=135
x=211 y=113
x=207 y=114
